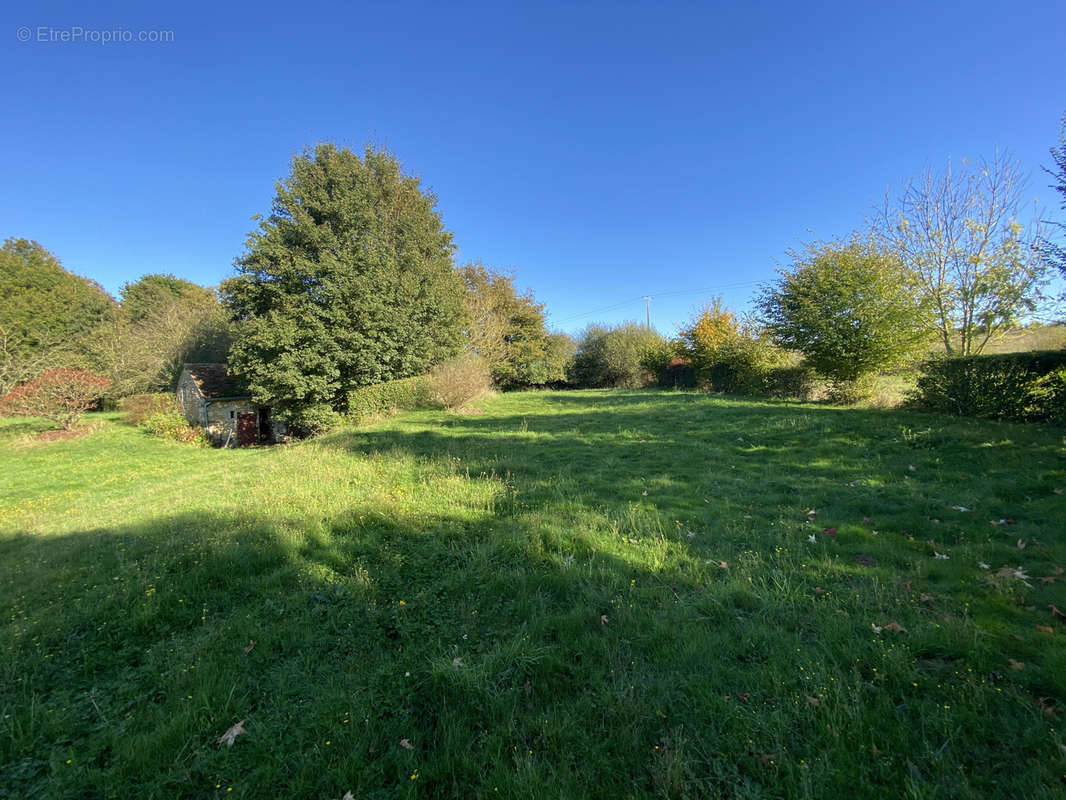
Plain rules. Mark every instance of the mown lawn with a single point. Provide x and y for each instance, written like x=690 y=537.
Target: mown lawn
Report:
x=584 y=594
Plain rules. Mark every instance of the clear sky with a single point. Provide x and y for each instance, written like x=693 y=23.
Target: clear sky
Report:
x=600 y=150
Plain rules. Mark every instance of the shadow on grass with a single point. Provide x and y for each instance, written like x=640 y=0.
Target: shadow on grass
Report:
x=572 y=641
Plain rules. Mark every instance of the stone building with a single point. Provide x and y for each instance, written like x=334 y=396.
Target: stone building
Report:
x=216 y=401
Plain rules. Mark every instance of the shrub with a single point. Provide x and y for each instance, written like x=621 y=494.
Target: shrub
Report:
x=615 y=357
x=311 y=420
x=172 y=425
x=455 y=384
x=137 y=408
x=798 y=382
x=679 y=373
x=405 y=394
x=1047 y=397
x=1018 y=386
x=60 y=395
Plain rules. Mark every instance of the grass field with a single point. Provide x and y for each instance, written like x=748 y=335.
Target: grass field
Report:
x=583 y=594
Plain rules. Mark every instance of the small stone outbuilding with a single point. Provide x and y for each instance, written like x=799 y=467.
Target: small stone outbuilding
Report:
x=220 y=404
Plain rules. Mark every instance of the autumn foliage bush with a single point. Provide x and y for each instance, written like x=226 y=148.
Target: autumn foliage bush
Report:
x=60 y=395
x=455 y=384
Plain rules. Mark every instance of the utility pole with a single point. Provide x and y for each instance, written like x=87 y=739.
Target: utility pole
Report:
x=647 y=309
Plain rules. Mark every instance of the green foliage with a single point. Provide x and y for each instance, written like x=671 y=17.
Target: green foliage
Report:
x=48 y=316
x=349 y=282
x=969 y=258
x=553 y=368
x=173 y=426
x=456 y=384
x=506 y=330
x=151 y=293
x=137 y=408
x=727 y=355
x=406 y=394
x=797 y=381
x=1015 y=386
x=848 y=308
x=615 y=357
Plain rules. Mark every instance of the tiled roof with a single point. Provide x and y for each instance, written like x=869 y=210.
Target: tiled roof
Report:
x=213 y=380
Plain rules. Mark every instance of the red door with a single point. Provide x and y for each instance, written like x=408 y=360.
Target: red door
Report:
x=247 y=429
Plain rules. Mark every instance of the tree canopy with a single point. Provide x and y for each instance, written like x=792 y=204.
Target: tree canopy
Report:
x=348 y=282
x=957 y=232
x=506 y=329
x=848 y=307
x=47 y=314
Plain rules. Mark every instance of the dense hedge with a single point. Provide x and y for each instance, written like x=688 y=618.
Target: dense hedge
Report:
x=405 y=394
x=1016 y=386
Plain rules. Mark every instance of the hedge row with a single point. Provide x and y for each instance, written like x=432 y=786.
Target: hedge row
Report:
x=405 y=394
x=1017 y=386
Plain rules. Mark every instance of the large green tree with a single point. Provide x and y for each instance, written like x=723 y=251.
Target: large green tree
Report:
x=506 y=329
x=48 y=316
x=849 y=307
x=348 y=282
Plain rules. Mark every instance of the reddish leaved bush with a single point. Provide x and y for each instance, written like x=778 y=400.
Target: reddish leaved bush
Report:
x=60 y=395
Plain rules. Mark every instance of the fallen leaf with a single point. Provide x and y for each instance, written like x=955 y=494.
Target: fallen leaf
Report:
x=457 y=662
x=895 y=627
x=228 y=737
x=248 y=647
x=982 y=565
x=877 y=628
x=810 y=512
x=1047 y=705
x=819 y=590
x=1058 y=570
x=603 y=619
x=1057 y=491
x=812 y=538
x=406 y=744
x=830 y=531
x=644 y=493
x=867 y=520
x=1022 y=543
x=1047 y=580
x=961 y=508
x=348 y=796
x=941 y=556
x=744 y=696
x=723 y=564
x=1016 y=665
x=912 y=468
x=814 y=702
x=926 y=598
x=907 y=585
x=1045 y=629
x=747 y=516
x=1055 y=610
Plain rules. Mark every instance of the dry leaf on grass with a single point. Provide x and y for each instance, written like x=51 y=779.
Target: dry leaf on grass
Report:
x=248 y=647
x=1016 y=665
x=603 y=619
x=406 y=744
x=895 y=627
x=1045 y=629
x=1055 y=610
x=831 y=531
x=229 y=736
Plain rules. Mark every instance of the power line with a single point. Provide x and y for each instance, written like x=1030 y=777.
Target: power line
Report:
x=643 y=297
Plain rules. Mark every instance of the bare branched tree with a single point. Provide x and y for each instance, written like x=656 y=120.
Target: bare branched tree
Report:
x=958 y=232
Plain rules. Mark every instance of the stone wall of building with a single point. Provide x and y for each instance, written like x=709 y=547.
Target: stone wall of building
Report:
x=222 y=419
x=190 y=400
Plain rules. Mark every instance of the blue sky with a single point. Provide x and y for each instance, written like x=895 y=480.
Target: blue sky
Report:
x=602 y=151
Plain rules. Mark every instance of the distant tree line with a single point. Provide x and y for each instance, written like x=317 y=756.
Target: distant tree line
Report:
x=350 y=281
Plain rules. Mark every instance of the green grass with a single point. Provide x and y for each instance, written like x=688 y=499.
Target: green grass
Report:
x=532 y=602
